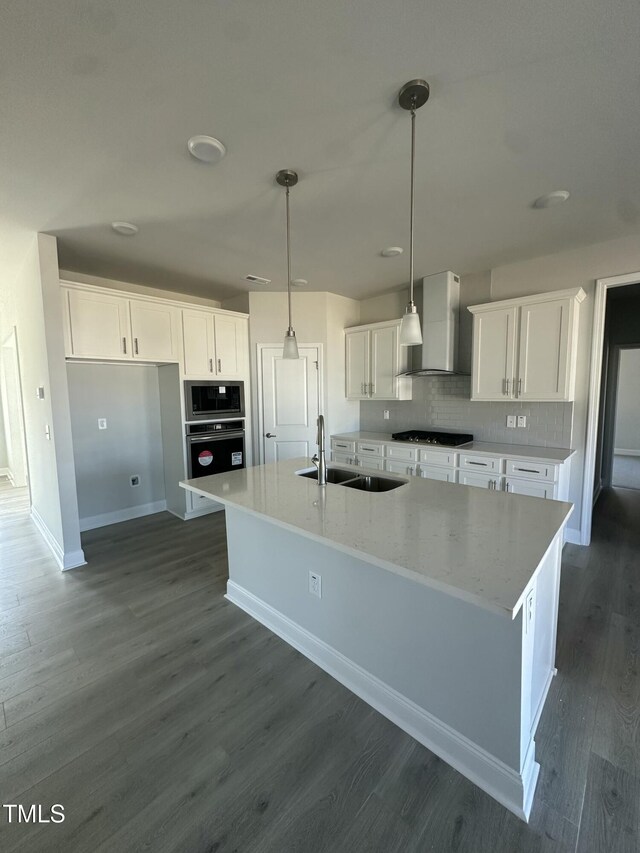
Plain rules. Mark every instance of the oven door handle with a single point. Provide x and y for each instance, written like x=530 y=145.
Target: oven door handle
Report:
x=215 y=437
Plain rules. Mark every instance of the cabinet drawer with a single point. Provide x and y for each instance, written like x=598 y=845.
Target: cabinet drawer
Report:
x=481 y=463
x=531 y=470
x=402 y=453
x=437 y=457
x=368 y=448
x=434 y=472
x=340 y=446
x=400 y=468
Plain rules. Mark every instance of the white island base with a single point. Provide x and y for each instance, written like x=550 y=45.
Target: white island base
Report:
x=467 y=681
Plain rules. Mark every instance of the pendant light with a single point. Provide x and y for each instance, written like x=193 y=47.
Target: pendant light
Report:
x=287 y=179
x=412 y=96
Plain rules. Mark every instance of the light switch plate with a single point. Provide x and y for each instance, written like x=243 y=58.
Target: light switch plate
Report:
x=511 y=421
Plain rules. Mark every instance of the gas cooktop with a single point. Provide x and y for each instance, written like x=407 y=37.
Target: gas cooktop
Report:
x=447 y=439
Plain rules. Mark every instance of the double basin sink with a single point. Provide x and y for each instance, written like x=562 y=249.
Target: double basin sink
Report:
x=361 y=482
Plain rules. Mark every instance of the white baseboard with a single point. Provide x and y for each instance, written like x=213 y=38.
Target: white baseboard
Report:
x=621 y=451
x=106 y=518
x=71 y=560
x=512 y=789
x=5 y=472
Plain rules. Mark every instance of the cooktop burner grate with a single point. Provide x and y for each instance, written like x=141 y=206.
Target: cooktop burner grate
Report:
x=447 y=439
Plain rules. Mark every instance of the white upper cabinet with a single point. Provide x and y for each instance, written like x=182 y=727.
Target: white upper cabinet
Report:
x=214 y=344
x=373 y=359
x=357 y=357
x=154 y=330
x=526 y=349
x=98 y=325
x=494 y=338
x=230 y=341
x=198 y=339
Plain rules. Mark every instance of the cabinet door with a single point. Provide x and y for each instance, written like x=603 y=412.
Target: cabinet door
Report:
x=533 y=488
x=543 y=351
x=197 y=335
x=229 y=343
x=433 y=472
x=483 y=481
x=99 y=325
x=342 y=458
x=154 y=331
x=384 y=363
x=493 y=367
x=400 y=468
x=357 y=365
x=373 y=463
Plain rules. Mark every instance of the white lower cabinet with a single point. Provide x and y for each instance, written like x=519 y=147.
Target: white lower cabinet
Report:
x=533 y=488
x=406 y=468
x=476 y=478
x=434 y=472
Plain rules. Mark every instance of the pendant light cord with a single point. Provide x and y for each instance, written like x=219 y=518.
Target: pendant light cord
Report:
x=413 y=157
x=288 y=257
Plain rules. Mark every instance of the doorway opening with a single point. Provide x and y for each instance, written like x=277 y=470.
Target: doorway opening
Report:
x=616 y=330
x=625 y=452
x=15 y=498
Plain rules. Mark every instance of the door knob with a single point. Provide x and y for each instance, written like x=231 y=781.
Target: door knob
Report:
x=269 y=435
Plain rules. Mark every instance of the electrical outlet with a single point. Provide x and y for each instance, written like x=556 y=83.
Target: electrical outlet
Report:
x=385 y=414
x=134 y=479
x=315 y=584
x=511 y=421
x=102 y=423
x=522 y=421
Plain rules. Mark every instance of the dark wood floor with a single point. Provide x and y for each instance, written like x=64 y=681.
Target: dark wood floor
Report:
x=165 y=719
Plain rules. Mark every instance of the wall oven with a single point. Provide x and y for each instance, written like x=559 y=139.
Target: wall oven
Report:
x=210 y=400
x=215 y=447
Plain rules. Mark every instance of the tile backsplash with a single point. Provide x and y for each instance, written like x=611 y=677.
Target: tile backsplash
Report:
x=443 y=403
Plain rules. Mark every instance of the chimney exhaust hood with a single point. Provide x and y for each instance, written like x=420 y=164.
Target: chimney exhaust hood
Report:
x=438 y=306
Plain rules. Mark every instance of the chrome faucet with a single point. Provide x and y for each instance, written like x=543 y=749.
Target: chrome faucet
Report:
x=318 y=458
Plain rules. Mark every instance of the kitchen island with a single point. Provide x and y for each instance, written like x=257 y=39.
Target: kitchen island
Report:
x=437 y=603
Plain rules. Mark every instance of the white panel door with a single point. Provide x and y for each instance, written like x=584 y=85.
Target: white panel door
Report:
x=384 y=363
x=544 y=351
x=493 y=368
x=197 y=334
x=229 y=345
x=154 y=331
x=357 y=365
x=99 y=325
x=290 y=398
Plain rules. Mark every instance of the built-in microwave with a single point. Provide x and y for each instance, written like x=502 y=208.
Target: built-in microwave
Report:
x=210 y=400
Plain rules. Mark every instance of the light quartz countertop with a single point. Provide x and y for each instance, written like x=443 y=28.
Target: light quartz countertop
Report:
x=480 y=545
x=513 y=451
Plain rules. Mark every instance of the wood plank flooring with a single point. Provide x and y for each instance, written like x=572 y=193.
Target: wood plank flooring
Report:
x=165 y=719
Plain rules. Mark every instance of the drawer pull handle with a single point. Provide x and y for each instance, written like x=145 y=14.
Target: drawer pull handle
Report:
x=124 y=346
x=483 y=464
x=135 y=346
x=528 y=470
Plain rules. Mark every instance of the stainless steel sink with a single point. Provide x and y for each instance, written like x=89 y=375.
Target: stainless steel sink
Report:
x=334 y=475
x=367 y=483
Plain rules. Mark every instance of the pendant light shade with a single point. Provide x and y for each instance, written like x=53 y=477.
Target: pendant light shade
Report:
x=287 y=179
x=412 y=96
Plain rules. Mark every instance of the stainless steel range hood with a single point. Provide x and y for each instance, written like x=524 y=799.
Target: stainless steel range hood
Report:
x=438 y=300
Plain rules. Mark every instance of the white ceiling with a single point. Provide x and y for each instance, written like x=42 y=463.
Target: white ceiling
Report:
x=99 y=99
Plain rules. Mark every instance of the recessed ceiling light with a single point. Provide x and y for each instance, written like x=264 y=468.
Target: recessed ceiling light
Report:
x=392 y=252
x=299 y=282
x=126 y=229
x=551 y=199
x=206 y=148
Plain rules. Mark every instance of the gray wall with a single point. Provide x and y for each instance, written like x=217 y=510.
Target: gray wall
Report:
x=443 y=403
x=627 y=425
x=128 y=397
